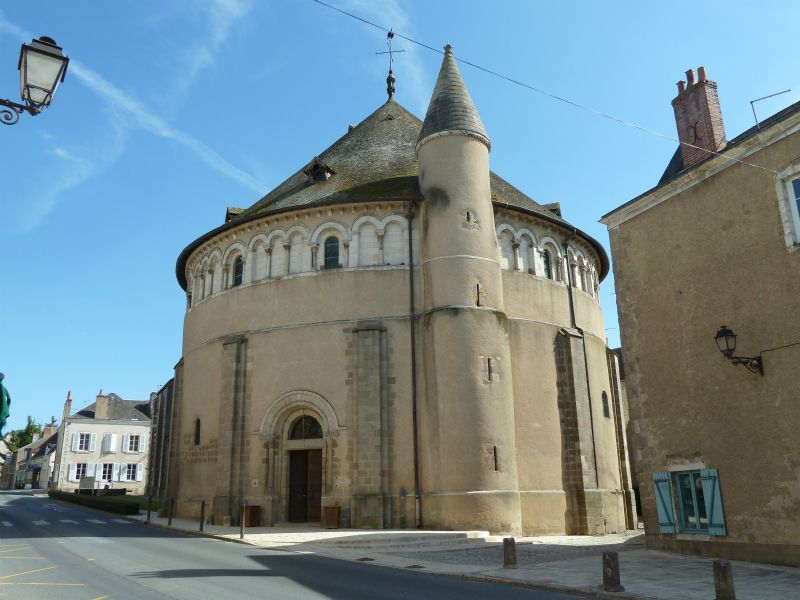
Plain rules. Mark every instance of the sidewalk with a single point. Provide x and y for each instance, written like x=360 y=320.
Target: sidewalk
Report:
x=562 y=563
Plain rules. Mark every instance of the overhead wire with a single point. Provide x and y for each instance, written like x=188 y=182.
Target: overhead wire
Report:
x=546 y=93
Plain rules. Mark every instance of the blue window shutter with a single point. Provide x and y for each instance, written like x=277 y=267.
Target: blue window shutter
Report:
x=716 y=517
x=666 y=516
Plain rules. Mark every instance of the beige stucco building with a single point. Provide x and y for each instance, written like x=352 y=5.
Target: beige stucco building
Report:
x=107 y=441
x=716 y=242
x=398 y=332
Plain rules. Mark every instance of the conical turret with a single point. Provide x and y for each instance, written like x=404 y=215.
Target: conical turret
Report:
x=451 y=110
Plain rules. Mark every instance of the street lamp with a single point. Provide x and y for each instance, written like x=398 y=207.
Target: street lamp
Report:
x=726 y=342
x=42 y=66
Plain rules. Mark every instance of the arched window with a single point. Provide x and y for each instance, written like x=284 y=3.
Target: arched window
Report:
x=606 y=409
x=238 y=271
x=197 y=432
x=547 y=259
x=332 y=252
x=305 y=428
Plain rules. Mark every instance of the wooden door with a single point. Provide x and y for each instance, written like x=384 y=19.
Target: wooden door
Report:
x=305 y=486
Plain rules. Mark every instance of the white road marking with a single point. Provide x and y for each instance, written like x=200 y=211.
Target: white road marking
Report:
x=67 y=521
x=40 y=523
x=7 y=523
x=120 y=520
x=96 y=521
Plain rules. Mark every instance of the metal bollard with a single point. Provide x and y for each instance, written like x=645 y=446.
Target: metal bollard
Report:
x=241 y=521
x=509 y=553
x=723 y=580
x=149 y=507
x=202 y=514
x=171 y=511
x=611 y=575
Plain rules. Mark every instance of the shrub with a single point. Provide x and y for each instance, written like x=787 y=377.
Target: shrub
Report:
x=98 y=502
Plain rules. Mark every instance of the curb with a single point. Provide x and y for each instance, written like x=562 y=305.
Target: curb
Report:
x=588 y=593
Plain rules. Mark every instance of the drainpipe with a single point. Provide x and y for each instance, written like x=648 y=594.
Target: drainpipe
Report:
x=412 y=208
x=570 y=286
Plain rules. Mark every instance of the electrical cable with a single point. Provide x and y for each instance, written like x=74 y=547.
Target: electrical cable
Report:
x=547 y=94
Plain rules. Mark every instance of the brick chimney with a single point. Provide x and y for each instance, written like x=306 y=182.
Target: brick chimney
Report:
x=698 y=118
x=101 y=408
x=67 y=407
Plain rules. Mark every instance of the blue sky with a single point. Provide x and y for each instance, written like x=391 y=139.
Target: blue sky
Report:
x=173 y=110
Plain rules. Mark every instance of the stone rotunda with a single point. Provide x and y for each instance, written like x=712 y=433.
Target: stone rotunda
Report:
x=397 y=332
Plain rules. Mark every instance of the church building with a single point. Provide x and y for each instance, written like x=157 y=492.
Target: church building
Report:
x=397 y=336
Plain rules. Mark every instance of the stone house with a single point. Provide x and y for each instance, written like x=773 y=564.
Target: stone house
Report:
x=398 y=335
x=714 y=249
x=105 y=443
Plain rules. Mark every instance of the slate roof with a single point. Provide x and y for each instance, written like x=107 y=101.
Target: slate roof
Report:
x=675 y=166
x=119 y=410
x=375 y=160
x=451 y=107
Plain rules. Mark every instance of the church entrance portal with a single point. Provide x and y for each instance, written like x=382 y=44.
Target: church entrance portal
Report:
x=305 y=486
x=305 y=471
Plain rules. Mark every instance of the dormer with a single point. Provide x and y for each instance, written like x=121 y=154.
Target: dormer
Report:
x=318 y=170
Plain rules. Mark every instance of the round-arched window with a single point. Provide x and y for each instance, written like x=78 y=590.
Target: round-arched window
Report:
x=238 y=271
x=548 y=264
x=332 y=252
x=305 y=428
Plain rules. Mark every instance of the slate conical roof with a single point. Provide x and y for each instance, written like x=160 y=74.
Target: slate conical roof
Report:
x=451 y=108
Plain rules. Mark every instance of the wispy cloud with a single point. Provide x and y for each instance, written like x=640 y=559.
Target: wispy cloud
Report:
x=147 y=119
x=222 y=15
x=129 y=112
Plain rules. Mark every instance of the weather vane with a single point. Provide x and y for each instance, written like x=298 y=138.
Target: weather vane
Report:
x=390 y=79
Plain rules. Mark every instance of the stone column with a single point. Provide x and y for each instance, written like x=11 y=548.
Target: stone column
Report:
x=287 y=254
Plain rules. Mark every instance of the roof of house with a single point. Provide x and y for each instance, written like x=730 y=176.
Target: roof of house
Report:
x=675 y=166
x=451 y=107
x=375 y=160
x=119 y=410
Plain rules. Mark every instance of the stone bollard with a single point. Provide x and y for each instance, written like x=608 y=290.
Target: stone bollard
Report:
x=509 y=553
x=242 y=512
x=202 y=514
x=723 y=580
x=171 y=511
x=149 y=507
x=611 y=575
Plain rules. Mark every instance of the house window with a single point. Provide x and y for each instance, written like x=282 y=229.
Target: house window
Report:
x=606 y=410
x=305 y=428
x=197 y=432
x=134 y=443
x=80 y=471
x=332 y=253
x=238 y=271
x=131 y=471
x=548 y=264
x=84 y=441
x=795 y=207
x=108 y=471
x=696 y=496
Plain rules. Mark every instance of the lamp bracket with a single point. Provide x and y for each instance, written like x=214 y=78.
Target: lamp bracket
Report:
x=751 y=363
x=10 y=114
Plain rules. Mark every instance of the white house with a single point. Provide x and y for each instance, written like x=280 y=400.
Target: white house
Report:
x=103 y=445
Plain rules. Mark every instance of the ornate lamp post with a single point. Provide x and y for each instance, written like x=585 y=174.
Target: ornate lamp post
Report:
x=726 y=342
x=42 y=67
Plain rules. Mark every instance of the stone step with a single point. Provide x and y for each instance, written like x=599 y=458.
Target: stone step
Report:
x=450 y=541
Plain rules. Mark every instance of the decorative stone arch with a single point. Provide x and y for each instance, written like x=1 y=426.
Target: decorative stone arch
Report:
x=318 y=238
x=259 y=250
x=214 y=271
x=280 y=234
x=367 y=219
x=302 y=229
x=232 y=250
x=527 y=250
x=556 y=256
x=320 y=229
x=291 y=403
x=507 y=247
x=274 y=429
x=395 y=247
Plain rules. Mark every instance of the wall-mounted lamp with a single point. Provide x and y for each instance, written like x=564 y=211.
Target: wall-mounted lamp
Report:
x=42 y=67
x=726 y=340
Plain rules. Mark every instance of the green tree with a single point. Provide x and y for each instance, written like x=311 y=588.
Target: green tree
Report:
x=22 y=437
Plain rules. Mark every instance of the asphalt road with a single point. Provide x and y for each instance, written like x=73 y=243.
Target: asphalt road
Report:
x=57 y=551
